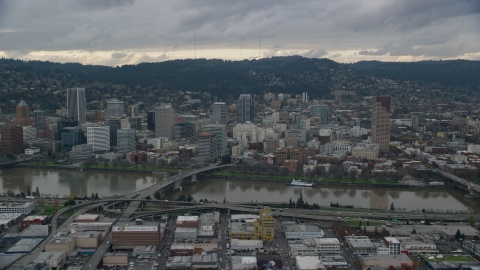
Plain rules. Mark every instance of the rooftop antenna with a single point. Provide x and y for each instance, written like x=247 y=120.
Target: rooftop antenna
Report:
x=258 y=48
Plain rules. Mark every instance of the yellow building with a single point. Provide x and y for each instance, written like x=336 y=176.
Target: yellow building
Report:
x=260 y=227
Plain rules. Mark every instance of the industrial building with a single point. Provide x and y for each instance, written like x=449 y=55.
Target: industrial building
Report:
x=18 y=208
x=60 y=244
x=127 y=235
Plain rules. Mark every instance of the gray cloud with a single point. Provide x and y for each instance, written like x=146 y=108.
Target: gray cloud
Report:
x=391 y=28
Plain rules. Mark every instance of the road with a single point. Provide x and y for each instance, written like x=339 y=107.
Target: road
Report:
x=282 y=246
x=25 y=260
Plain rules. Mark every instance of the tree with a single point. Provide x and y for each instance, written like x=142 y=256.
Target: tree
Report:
x=392 y=207
x=414 y=231
x=55 y=204
x=360 y=224
x=391 y=267
x=189 y=198
x=10 y=193
x=96 y=196
x=37 y=191
x=458 y=234
x=29 y=193
x=224 y=200
x=471 y=221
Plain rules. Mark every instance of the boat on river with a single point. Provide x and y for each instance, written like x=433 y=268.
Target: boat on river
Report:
x=300 y=183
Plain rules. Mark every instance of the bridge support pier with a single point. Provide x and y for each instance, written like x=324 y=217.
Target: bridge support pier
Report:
x=193 y=179
x=177 y=186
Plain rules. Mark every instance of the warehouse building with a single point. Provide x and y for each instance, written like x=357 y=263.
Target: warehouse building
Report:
x=360 y=245
x=87 y=239
x=115 y=259
x=24 y=246
x=239 y=244
x=60 y=244
x=185 y=233
x=87 y=218
x=244 y=262
x=127 y=235
x=182 y=250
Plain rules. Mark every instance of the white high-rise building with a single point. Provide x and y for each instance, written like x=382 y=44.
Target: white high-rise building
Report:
x=305 y=97
x=125 y=140
x=165 y=122
x=76 y=104
x=115 y=108
x=219 y=113
x=249 y=132
x=99 y=138
x=207 y=147
x=220 y=132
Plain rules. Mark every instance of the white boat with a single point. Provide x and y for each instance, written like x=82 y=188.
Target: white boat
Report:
x=300 y=183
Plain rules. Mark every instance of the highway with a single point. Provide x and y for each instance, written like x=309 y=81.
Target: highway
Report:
x=468 y=184
x=25 y=260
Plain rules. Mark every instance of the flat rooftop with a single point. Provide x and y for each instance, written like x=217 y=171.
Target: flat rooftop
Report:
x=47 y=255
x=34 y=230
x=387 y=259
x=60 y=240
x=360 y=242
x=302 y=228
x=32 y=218
x=241 y=227
x=187 y=218
x=308 y=262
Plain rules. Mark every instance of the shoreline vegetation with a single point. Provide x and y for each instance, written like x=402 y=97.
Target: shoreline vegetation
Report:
x=332 y=181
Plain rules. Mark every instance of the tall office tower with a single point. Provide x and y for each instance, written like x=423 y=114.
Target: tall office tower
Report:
x=305 y=97
x=125 y=140
x=245 y=108
x=381 y=121
x=76 y=104
x=165 y=122
x=220 y=132
x=151 y=121
x=135 y=122
x=12 y=139
x=115 y=123
x=324 y=111
x=72 y=136
x=39 y=120
x=219 y=113
x=207 y=147
x=22 y=117
x=133 y=110
x=115 y=108
x=99 y=138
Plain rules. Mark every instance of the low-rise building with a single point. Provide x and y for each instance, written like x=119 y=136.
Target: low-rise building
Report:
x=60 y=244
x=392 y=244
x=308 y=263
x=182 y=250
x=127 y=235
x=360 y=245
x=333 y=262
x=244 y=262
x=87 y=239
x=34 y=231
x=24 y=246
x=115 y=259
x=145 y=251
x=239 y=244
x=302 y=231
x=87 y=218
x=18 y=208
x=34 y=220
x=207 y=261
x=55 y=260
x=414 y=247
x=327 y=246
x=186 y=233
x=385 y=260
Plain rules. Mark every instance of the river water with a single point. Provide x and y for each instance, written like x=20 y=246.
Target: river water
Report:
x=80 y=183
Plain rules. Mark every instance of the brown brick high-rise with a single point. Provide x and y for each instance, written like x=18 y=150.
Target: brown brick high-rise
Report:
x=22 y=117
x=12 y=139
x=381 y=121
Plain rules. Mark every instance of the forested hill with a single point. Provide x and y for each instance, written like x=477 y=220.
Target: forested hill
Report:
x=455 y=73
x=285 y=74
x=293 y=74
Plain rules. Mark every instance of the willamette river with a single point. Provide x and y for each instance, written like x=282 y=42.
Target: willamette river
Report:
x=80 y=183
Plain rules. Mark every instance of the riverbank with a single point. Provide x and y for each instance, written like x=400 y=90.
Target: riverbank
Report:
x=99 y=168
x=319 y=181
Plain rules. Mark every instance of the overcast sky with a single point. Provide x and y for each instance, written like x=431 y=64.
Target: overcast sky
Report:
x=117 y=32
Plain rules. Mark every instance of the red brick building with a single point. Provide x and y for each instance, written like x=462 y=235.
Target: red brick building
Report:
x=12 y=139
x=34 y=220
x=137 y=157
